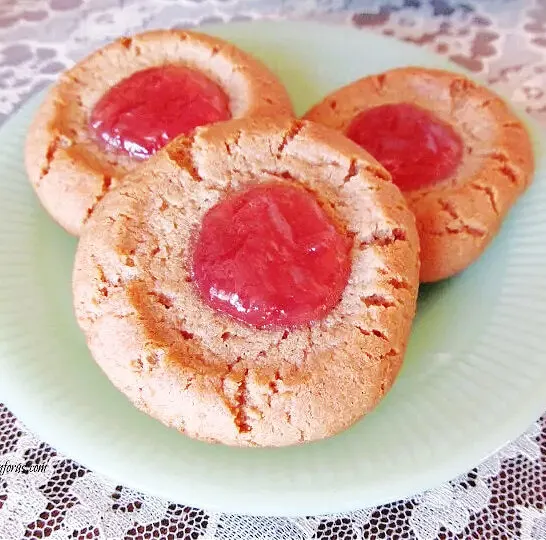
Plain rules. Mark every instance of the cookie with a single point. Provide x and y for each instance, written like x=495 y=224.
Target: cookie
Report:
x=457 y=151
x=125 y=101
x=212 y=354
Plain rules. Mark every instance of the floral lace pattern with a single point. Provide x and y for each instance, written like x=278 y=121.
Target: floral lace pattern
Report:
x=503 y=42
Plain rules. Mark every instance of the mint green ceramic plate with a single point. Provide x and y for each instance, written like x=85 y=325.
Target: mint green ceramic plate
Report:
x=474 y=377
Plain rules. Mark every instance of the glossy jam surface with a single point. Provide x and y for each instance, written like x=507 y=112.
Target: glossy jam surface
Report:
x=270 y=257
x=143 y=112
x=417 y=148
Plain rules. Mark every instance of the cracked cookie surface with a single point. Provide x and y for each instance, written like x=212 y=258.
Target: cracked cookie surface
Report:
x=71 y=170
x=458 y=216
x=203 y=372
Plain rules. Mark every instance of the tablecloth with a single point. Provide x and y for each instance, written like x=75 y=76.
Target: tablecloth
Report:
x=504 y=43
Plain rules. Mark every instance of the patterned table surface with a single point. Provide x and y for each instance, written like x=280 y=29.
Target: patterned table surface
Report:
x=504 y=42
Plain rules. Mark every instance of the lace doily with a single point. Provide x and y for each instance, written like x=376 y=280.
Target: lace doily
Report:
x=504 y=41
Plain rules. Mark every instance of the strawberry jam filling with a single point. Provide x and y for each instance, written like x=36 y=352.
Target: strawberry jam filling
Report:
x=143 y=112
x=270 y=257
x=415 y=146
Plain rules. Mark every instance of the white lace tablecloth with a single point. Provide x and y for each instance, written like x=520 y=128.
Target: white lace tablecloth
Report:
x=504 y=41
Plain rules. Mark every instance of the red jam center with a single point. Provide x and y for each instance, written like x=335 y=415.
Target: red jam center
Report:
x=417 y=148
x=145 y=111
x=271 y=257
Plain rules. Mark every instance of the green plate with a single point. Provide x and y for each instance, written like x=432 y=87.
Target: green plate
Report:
x=474 y=376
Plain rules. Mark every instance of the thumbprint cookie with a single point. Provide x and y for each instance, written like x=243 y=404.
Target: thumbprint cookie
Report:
x=455 y=149
x=253 y=283
x=127 y=100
